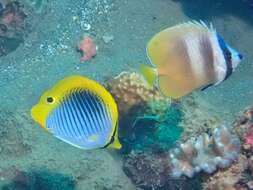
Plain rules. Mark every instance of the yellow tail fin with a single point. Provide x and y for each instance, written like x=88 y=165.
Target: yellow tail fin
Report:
x=115 y=144
x=149 y=74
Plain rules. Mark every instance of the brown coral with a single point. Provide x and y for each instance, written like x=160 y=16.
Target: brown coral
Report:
x=243 y=126
x=135 y=99
x=239 y=175
x=129 y=90
x=227 y=178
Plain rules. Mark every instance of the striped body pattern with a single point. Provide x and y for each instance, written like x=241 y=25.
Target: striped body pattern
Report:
x=189 y=56
x=81 y=119
x=80 y=112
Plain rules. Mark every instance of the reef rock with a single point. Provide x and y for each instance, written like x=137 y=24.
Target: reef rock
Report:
x=12 y=27
x=153 y=171
x=243 y=126
x=12 y=142
x=163 y=169
x=226 y=179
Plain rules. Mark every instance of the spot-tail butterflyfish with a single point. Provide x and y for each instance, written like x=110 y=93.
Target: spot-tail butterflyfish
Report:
x=79 y=111
x=188 y=56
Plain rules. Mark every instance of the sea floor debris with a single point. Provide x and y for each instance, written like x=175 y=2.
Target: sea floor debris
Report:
x=12 y=142
x=12 y=27
x=215 y=150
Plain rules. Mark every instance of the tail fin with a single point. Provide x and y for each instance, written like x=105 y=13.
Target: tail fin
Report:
x=149 y=74
x=115 y=144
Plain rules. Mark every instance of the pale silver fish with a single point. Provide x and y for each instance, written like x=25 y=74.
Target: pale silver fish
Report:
x=187 y=57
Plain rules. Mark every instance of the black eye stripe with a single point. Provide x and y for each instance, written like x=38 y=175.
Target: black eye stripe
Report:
x=228 y=58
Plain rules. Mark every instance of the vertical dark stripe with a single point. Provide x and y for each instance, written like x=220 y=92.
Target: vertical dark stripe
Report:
x=85 y=112
x=106 y=116
x=75 y=113
x=206 y=51
x=72 y=115
x=182 y=51
x=92 y=110
x=61 y=122
x=67 y=116
x=94 y=102
x=65 y=121
x=80 y=114
x=227 y=56
x=81 y=119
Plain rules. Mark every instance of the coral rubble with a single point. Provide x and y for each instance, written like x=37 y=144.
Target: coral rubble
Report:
x=244 y=128
x=205 y=153
x=240 y=174
x=152 y=171
x=197 y=118
x=226 y=179
x=11 y=138
x=147 y=170
x=12 y=27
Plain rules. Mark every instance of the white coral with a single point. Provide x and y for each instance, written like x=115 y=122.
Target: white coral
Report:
x=205 y=153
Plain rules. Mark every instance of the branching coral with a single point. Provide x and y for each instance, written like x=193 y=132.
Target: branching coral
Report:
x=205 y=153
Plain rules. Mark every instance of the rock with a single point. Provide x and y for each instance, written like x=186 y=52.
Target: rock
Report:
x=108 y=38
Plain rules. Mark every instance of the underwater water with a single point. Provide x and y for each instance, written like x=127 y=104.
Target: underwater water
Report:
x=31 y=158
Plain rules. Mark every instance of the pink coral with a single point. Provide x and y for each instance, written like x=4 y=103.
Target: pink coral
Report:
x=249 y=136
x=88 y=48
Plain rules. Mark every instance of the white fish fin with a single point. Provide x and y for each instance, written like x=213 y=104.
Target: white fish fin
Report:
x=199 y=24
x=67 y=141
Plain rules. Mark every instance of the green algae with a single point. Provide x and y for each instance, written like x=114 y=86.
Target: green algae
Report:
x=155 y=133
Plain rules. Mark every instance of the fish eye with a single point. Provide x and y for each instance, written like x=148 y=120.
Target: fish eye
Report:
x=50 y=99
